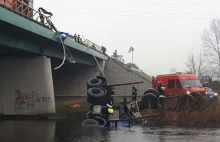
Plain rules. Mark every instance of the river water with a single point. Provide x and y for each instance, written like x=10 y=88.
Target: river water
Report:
x=71 y=131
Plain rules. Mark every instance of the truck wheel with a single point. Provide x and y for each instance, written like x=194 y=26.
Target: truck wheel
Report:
x=149 y=101
x=90 y=122
x=153 y=91
x=97 y=96
x=104 y=80
x=94 y=82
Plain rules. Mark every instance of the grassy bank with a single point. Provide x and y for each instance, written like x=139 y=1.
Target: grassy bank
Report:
x=191 y=117
x=68 y=110
x=200 y=117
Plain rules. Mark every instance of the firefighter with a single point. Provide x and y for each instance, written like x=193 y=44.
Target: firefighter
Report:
x=134 y=93
x=161 y=89
x=110 y=111
x=103 y=50
x=79 y=39
x=75 y=37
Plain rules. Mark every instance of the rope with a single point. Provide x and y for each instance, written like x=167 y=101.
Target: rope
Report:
x=97 y=62
x=64 y=53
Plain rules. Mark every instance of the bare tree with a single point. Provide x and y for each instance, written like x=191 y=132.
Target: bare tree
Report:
x=191 y=63
x=211 y=39
x=196 y=64
x=201 y=67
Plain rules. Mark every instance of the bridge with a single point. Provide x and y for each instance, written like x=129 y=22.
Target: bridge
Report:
x=29 y=52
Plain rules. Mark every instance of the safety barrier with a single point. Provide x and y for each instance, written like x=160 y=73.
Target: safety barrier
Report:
x=25 y=10
x=92 y=45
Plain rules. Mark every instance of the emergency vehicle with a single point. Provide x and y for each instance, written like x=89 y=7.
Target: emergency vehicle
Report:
x=180 y=84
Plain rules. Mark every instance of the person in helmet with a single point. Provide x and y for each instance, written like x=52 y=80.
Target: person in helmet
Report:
x=161 y=89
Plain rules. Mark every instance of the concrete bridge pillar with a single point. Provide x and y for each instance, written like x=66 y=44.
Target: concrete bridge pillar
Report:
x=26 y=87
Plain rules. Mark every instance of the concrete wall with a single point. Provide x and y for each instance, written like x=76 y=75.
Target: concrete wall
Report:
x=117 y=72
x=71 y=79
x=26 y=87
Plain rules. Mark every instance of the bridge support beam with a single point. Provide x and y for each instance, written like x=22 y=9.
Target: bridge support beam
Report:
x=26 y=87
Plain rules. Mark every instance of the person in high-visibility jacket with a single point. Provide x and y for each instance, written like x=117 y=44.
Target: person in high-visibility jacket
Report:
x=161 y=89
x=110 y=111
x=75 y=38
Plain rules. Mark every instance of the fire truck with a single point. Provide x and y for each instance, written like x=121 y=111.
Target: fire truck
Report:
x=180 y=83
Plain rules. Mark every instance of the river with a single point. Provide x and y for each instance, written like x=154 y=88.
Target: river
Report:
x=71 y=131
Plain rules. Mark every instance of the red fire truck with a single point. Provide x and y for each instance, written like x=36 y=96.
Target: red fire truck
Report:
x=178 y=84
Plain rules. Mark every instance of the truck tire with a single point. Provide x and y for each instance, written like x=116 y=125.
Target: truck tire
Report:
x=98 y=81
x=153 y=91
x=149 y=100
x=97 y=96
x=94 y=82
x=104 y=80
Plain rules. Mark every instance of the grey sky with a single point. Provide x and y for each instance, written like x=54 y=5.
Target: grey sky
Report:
x=161 y=32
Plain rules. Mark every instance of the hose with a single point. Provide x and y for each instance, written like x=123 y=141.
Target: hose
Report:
x=64 y=53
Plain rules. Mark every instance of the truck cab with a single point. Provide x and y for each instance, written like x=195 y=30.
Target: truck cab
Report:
x=180 y=84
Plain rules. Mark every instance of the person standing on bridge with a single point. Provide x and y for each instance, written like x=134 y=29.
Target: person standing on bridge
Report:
x=79 y=39
x=103 y=50
x=75 y=38
x=161 y=89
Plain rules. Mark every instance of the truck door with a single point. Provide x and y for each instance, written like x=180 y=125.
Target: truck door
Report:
x=170 y=91
x=178 y=87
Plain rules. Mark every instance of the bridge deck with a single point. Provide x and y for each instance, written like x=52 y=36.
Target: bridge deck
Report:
x=20 y=32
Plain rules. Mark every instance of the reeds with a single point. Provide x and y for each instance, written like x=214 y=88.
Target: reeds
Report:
x=209 y=114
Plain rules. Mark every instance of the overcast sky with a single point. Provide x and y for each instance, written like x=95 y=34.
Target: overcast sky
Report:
x=162 y=32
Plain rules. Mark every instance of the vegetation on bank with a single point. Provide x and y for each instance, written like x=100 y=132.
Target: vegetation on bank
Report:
x=63 y=111
x=205 y=116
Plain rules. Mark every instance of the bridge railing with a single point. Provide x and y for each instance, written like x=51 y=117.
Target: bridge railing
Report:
x=88 y=43
x=92 y=45
x=25 y=10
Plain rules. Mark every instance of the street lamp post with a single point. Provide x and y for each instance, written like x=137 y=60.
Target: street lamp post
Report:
x=131 y=50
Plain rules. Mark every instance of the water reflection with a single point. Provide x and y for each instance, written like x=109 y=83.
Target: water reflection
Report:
x=69 y=130
x=27 y=131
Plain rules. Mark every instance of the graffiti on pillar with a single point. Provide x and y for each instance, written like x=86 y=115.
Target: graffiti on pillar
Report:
x=28 y=100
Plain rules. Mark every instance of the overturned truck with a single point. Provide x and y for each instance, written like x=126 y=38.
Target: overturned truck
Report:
x=184 y=87
x=104 y=112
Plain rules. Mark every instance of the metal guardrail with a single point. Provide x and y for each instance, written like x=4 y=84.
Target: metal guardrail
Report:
x=24 y=10
x=88 y=43
x=34 y=15
x=92 y=45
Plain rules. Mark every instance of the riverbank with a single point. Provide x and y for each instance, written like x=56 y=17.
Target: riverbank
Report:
x=71 y=111
x=209 y=115
x=62 y=111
